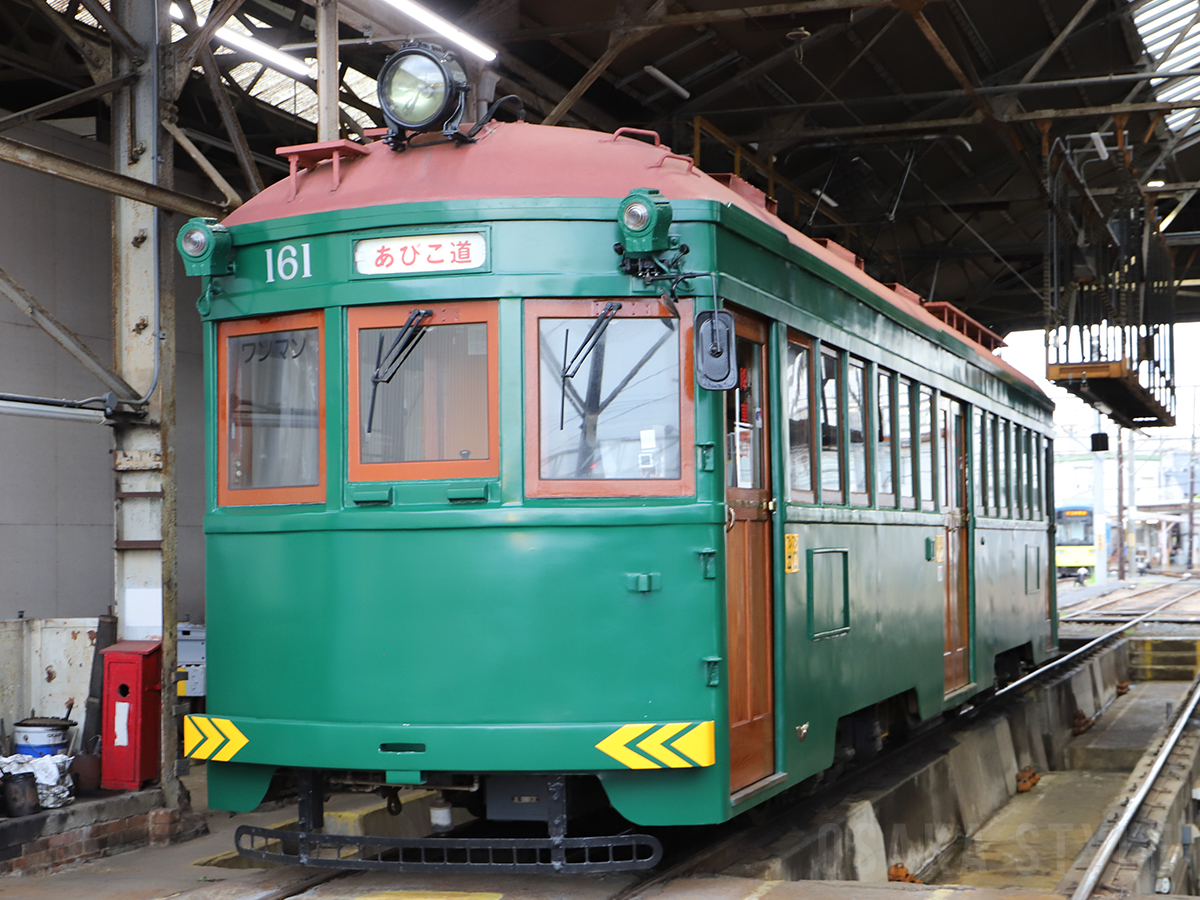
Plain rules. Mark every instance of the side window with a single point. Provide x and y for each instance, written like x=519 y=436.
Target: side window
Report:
x=979 y=454
x=799 y=420
x=856 y=428
x=908 y=447
x=885 y=462
x=271 y=414
x=830 y=396
x=424 y=392
x=608 y=411
x=1035 y=467
x=997 y=458
x=925 y=431
x=1021 y=474
x=1005 y=469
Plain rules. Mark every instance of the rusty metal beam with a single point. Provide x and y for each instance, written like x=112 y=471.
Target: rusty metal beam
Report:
x=1058 y=42
x=241 y=148
x=930 y=126
x=74 y=99
x=64 y=337
x=49 y=163
x=232 y=197
x=116 y=33
x=616 y=46
x=191 y=46
x=689 y=19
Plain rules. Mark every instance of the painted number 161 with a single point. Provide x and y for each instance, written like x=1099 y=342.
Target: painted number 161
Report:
x=289 y=263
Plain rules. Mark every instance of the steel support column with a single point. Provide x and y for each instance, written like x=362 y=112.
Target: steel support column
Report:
x=328 y=124
x=144 y=353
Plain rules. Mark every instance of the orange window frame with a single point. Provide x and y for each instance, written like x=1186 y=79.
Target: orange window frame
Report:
x=468 y=312
x=535 y=485
x=227 y=496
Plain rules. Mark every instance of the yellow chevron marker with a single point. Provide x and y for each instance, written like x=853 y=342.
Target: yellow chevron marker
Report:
x=237 y=740
x=191 y=736
x=212 y=735
x=653 y=745
x=698 y=744
x=615 y=746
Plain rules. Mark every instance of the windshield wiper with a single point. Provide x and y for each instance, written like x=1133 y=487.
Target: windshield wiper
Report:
x=571 y=369
x=388 y=364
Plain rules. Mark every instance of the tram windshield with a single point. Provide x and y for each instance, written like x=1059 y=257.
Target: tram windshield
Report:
x=617 y=417
x=1074 y=528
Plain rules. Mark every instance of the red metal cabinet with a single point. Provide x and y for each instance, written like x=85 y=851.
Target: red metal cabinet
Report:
x=131 y=720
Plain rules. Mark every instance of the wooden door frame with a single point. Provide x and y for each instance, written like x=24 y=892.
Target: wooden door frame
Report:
x=754 y=326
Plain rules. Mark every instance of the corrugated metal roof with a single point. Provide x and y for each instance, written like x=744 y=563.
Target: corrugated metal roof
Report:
x=1170 y=30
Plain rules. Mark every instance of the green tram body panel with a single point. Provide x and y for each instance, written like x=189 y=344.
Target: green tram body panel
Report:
x=503 y=635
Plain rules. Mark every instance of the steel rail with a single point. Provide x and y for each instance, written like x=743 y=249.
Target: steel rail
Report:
x=1090 y=644
x=1095 y=606
x=1095 y=869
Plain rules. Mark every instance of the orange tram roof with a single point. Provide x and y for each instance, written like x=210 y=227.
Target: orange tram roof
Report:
x=520 y=160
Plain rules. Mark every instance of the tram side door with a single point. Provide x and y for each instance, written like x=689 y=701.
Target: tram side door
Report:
x=954 y=443
x=749 y=566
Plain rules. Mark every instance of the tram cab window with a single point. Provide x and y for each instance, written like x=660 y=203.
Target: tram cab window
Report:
x=1074 y=528
x=885 y=463
x=926 y=435
x=271 y=413
x=856 y=428
x=830 y=396
x=904 y=437
x=799 y=420
x=618 y=422
x=423 y=391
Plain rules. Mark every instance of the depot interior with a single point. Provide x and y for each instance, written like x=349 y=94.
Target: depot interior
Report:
x=973 y=152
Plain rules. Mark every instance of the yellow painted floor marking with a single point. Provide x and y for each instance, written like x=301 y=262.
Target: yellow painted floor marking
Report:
x=698 y=744
x=761 y=891
x=653 y=745
x=191 y=736
x=213 y=738
x=614 y=746
x=237 y=740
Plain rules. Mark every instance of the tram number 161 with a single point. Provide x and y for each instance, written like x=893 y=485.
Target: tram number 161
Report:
x=286 y=265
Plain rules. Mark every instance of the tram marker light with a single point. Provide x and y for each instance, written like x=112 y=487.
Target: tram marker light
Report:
x=716 y=358
x=204 y=246
x=645 y=221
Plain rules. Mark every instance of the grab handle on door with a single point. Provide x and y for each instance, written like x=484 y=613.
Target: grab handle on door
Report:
x=729 y=517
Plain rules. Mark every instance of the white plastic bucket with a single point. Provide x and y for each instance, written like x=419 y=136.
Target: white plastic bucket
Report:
x=39 y=740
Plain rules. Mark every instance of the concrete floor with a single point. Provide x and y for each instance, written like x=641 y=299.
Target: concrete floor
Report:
x=1120 y=736
x=1035 y=838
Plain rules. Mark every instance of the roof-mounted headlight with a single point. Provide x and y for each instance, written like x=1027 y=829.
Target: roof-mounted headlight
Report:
x=204 y=246
x=421 y=88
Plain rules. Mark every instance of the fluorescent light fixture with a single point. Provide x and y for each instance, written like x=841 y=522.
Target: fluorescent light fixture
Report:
x=823 y=197
x=42 y=411
x=1156 y=183
x=450 y=32
x=1099 y=144
x=260 y=50
x=667 y=81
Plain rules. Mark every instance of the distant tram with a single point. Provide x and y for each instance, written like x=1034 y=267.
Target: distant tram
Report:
x=1075 y=545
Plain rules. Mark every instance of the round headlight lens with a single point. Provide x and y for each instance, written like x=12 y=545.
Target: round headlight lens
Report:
x=636 y=216
x=414 y=90
x=194 y=241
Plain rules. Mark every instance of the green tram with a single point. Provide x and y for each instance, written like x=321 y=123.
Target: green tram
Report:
x=475 y=525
